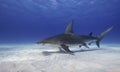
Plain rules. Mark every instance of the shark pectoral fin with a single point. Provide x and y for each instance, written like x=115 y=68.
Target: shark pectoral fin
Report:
x=60 y=49
x=66 y=48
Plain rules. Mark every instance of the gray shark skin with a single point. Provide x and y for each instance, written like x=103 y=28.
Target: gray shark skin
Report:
x=70 y=38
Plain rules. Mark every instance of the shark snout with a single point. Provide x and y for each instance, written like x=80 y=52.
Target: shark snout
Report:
x=41 y=42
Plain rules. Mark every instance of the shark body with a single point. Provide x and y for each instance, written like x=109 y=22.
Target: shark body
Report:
x=70 y=38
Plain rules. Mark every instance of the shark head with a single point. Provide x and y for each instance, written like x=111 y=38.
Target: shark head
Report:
x=43 y=42
x=50 y=40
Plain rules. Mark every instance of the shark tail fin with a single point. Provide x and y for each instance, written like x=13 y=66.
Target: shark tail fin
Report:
x=101 y=36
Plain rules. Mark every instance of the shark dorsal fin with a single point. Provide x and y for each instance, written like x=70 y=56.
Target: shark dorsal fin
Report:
x=69 y=28
x=90 y=34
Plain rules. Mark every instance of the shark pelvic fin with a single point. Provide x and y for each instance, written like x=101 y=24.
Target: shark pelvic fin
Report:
x=69 y=28
x=84 y=44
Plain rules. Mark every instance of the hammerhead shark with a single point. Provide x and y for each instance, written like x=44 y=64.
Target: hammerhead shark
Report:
x=70 y=38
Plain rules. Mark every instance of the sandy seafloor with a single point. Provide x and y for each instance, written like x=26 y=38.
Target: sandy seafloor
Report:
x=35 y=58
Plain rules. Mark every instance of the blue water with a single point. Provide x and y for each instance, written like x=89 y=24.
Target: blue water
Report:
x=27 y=21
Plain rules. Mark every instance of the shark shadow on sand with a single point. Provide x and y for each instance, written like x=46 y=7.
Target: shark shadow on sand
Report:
x=47 y=53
